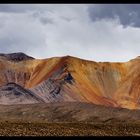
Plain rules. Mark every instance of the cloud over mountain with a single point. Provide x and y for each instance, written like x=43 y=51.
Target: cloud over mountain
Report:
x=94 y=32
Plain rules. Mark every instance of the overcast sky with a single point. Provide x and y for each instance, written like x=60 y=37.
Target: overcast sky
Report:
x=103 y=32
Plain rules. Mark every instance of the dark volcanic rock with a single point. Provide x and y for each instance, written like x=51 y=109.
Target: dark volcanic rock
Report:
x=16 y=56
x=12 y=93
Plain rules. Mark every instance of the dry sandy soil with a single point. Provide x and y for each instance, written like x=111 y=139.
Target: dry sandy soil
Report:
x=67 y=129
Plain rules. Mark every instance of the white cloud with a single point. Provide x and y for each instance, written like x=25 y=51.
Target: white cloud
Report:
x=66 y=30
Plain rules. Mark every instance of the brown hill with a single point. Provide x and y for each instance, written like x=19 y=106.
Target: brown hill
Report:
x=70 y=79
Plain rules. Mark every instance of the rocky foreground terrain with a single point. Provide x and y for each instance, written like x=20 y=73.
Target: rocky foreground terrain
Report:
x=68 y=129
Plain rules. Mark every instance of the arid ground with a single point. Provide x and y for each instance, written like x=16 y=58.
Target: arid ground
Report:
x=68 y=119
x=67 y=129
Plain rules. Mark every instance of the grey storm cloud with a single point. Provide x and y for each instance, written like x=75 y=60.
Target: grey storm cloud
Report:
x=128 y=14
x=42 y=17
x=15 y=8
x=45 y=20
x=37 y=12
x=20 y=8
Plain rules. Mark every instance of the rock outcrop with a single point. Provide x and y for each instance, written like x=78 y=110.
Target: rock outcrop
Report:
x=12 y=93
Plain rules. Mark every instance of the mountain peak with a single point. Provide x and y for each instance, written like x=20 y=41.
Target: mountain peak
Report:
x=19 y=56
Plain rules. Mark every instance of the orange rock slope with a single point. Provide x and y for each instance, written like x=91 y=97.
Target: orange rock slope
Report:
x=62 y=79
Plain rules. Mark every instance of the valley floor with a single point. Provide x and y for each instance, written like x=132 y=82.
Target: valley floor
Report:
x=68 y=119
x=67 y=129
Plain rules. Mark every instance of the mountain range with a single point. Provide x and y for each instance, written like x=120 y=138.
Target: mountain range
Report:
x=26 y=80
